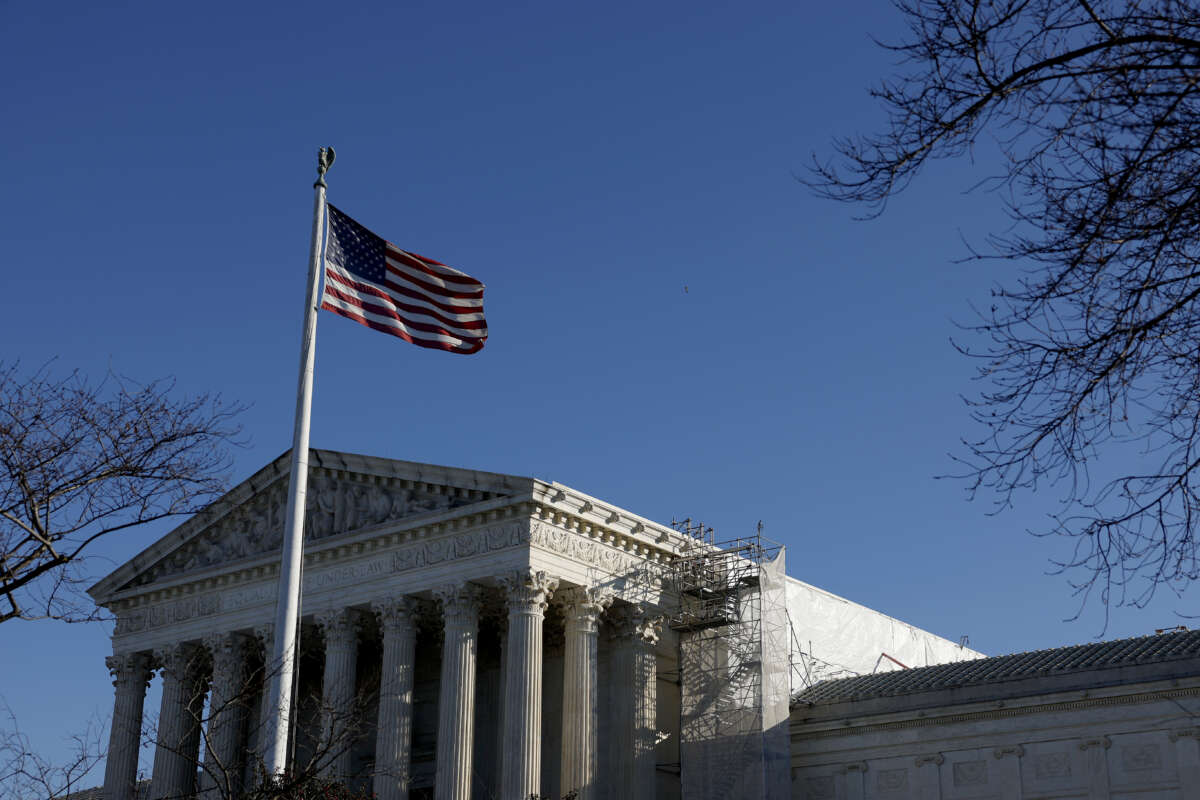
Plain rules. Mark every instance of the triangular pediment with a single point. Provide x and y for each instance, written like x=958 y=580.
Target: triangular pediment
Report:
x=347 y=493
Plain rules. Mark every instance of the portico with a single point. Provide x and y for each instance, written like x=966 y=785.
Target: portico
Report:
x=455 y=628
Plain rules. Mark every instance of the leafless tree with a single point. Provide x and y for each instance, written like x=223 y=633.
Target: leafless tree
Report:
x=82 y=460
x=327 y=734
x=1090 y=355
x=24 y=774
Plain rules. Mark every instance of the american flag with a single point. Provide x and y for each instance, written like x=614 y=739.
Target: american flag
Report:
x=375 y=283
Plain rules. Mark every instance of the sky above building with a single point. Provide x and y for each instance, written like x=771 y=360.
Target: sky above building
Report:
x=677 y=325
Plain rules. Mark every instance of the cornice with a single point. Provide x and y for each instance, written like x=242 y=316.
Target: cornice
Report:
x=580 y=513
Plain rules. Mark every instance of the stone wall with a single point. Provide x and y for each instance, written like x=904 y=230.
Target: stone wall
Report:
x=1021 y=741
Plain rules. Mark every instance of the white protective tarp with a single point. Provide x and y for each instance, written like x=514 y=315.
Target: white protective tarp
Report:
x=836 y=637
x=776 y=686
x=734 y=697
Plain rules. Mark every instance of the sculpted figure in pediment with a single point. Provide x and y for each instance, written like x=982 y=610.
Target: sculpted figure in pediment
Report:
x=379 y=505
x=332 y=507
x=400 y=500
x=322 y=507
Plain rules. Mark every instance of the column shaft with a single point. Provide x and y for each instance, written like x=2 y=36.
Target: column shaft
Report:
x=528 y=592
x=645 y=713
x=338 y=723
x=221 y=776
x=456 y=702
x=131 y=677
x=393 y=743
x=635 y=721
x=503 y=699
x=580 y=700
x=177 y=748
x=266 y=636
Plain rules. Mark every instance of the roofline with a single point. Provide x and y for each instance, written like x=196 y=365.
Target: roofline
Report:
x=848 y=715
x=279 y=468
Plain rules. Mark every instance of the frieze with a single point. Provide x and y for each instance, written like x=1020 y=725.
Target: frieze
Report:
x=460 y=545
x=580 y=548
x=244 y=598
x=350 y=573
x=140 y=619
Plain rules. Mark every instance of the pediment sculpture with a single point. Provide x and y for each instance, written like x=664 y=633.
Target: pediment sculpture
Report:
x=333 y=507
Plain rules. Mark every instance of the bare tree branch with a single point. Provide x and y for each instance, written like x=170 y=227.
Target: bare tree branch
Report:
x=1090 y=356
x=79 y=461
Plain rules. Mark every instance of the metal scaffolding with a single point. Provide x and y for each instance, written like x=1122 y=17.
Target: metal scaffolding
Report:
x=730 y=611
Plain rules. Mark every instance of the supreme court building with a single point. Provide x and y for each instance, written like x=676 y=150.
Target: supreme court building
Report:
x=464 y=635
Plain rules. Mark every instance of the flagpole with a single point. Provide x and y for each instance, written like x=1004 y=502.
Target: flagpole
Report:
x=287 y=610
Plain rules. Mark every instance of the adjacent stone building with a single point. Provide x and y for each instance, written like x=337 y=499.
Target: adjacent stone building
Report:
x=1116 y=719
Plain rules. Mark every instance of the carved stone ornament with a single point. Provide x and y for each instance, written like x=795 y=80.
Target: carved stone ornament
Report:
x=528 y=591
x=339 y=626
x=228 y=653
x=970 y=773
x=891 y=780
x=460 y=604
x=604 y=557
x=638 y=622
x=933 y=758
x=265 y=634
x=130 y=668
x=396 y=614
x=181 y=661
x=583 y=605
x=333 y=506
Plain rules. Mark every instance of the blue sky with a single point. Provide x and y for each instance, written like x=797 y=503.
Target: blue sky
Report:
x=677 y=325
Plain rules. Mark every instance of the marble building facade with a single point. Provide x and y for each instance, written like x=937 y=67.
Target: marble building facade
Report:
x=464 y=635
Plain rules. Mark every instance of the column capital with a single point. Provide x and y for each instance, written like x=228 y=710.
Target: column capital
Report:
x=639 y=622
x=395 y=613
x=587 y=599
x=528 y=590
x=460 y=603
x=227 y=651
x=583 y=606
x=180 y=660
x=339 y=625
x=130 y=668
x=265 y=634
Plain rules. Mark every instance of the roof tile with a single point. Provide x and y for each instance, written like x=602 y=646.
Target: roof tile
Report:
x=1059 y=660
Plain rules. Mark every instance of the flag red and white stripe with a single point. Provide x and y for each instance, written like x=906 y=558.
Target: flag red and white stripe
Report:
x=375 y=283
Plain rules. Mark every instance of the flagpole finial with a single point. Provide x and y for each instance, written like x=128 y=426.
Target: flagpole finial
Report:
x=325 y=157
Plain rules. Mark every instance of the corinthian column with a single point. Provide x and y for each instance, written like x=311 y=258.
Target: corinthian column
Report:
x=265 y=634
x=177 y=749
x=337 y=691
x=131 y=677
x=635 y=723
x=221 y=777
x=528 y=592
x=646 y=631
x=393 y=743
x=456 y=703
x=582 y=607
